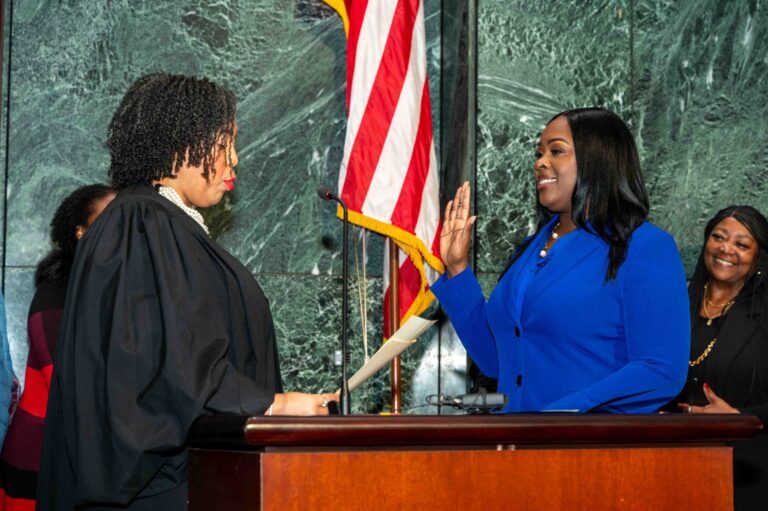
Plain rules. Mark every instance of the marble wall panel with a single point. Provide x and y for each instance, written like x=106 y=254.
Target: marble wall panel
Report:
x=18 y=357
x=433 y=27
x=456 y=155
x=284 y=60
x=3 y=126
x=19 y=290
x=702 y=104
x=536 y=59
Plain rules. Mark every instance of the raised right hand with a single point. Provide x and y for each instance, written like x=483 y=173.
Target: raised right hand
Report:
x=456 y=236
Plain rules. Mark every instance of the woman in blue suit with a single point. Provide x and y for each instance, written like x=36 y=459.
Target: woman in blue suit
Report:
x=591 y=315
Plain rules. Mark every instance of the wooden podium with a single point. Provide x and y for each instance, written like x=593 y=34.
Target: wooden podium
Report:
x=521 y=462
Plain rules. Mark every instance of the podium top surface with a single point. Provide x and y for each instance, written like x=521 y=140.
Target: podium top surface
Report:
x=242 y=432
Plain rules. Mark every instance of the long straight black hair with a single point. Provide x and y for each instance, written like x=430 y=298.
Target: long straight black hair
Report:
x=754 y=293
x=755 y=285
x=609 y=198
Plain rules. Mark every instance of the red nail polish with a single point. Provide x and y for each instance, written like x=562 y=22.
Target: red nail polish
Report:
x=706 y=387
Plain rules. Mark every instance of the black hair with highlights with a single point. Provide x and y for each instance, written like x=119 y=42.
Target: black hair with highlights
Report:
x=609 y=198
x=756 y=284
x=73 y=212
x=165 y=121
x=754 y=292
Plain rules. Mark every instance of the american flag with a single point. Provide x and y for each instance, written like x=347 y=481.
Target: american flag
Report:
x=389 y=176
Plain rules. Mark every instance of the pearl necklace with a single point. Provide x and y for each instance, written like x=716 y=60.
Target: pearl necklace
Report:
x=551 y=239
x=173 y=196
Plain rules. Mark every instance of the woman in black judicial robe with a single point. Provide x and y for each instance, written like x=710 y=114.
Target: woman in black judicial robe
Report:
x=161 y=325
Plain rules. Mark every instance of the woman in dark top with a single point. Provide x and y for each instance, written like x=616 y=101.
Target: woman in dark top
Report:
x=20 y=457
x=728 y=368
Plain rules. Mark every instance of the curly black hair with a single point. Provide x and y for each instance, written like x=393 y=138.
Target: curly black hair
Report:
x=73 y=212
x=164 y=121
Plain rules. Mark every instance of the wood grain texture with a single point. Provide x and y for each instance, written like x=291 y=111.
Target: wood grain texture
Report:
x=593 y=479
x=567 y=462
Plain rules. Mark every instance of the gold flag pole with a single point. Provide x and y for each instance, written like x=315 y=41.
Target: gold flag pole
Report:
x=394 y=319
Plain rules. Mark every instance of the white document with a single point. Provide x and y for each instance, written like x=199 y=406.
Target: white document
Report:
x=397 y=343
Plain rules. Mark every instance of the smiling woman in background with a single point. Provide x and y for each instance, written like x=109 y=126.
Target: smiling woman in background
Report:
x=591 y=313
x=729 y=341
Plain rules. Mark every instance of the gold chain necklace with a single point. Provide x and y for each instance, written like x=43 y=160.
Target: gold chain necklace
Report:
x=551 y=239
x=694 y=363
x=725 y=308
x=719 y=305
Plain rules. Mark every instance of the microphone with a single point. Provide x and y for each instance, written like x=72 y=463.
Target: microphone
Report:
x=481 y=401
x=327 y=195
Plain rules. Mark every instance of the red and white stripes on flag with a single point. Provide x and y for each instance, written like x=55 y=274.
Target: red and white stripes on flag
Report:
x=389 y=176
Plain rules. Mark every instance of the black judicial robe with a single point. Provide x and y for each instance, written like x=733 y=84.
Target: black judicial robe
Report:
x=161 y=325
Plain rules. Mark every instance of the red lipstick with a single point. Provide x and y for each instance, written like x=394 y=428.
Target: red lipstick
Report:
x=230 y=183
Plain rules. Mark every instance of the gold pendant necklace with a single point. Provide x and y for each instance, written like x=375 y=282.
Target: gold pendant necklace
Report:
x=709 y=318
x=723 y=308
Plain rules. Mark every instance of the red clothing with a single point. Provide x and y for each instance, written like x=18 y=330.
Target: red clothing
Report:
x=20 y=456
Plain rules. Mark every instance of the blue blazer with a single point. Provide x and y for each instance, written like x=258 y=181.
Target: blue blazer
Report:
x=559 y=337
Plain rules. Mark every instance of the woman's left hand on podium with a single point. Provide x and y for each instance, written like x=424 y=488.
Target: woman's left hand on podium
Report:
x=299 y=403
x=716 y=404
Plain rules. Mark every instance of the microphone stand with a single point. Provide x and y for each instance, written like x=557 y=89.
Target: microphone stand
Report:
x=344 y=403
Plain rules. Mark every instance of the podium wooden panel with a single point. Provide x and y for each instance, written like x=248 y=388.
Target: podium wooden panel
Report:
x=469 y=463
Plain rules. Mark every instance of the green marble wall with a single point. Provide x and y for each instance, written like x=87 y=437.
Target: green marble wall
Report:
x=536 y=59
x=690 y=77
x=701 y=88
x=285 y=60
x=3 y=118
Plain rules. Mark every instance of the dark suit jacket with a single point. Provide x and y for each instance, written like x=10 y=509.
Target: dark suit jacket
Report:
x=737 y=371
